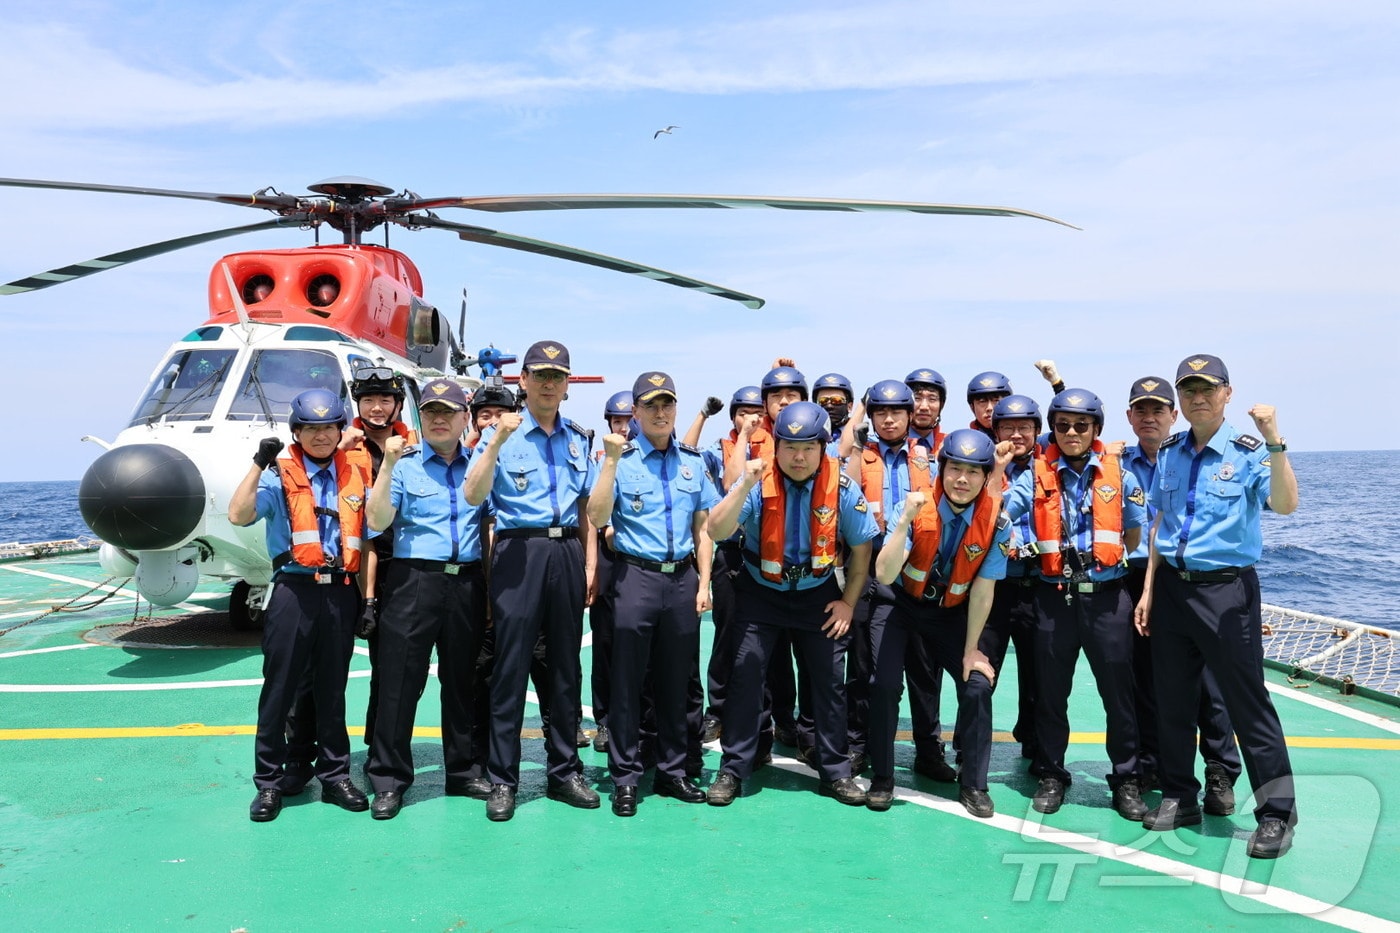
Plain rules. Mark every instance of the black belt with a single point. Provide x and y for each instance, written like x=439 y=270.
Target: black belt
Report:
x=553 y=531
x=1027 y=580
x=438 y=566
x=1223 y=575
x=1087 y=586
x=669 y=566
x=791 y=572
x=323 y=576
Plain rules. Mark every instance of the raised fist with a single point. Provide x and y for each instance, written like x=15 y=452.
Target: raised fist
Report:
x=612 y=445
x=713 y=406
x=268 y=449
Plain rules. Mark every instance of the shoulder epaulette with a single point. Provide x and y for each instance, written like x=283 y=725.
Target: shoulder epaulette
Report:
x=845 y=480
x=688 y=449
x=578 y=429
x=628 y=447
x=1247 y=441
x=1174 y=439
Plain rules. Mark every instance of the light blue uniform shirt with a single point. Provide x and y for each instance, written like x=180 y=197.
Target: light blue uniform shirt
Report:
x=854 y=524
x=1022 y=534
x=539 y=477
x=433 y=520
x=1077 y=491
x=1146 y=472
x=1210 y=501
x=271 y=505
x=655 y=495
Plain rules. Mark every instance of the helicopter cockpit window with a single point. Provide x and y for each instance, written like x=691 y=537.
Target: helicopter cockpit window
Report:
x=275 y=377
x=186 y=388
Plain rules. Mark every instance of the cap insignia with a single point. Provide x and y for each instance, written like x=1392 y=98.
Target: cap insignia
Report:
x=656 y=379
x=1197 y=364
x=1149 y=385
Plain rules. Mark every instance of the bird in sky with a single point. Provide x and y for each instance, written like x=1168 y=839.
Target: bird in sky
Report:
x=667 y=131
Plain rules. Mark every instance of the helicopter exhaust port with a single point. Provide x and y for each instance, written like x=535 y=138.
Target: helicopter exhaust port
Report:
x=142 y=497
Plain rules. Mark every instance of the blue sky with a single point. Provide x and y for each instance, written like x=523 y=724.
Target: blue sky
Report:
x=1233 y=167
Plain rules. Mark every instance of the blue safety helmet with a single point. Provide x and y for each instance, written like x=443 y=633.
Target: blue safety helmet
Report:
x=803 y=421
x=785 y=377
x=1017 y=406
x=968 y=446
x=1076 y=402
x=890 y=393
x=619 y=404
x=745 y=397
x=928 y=377
x=316 y=406
x=988 y=383
x=835 y=381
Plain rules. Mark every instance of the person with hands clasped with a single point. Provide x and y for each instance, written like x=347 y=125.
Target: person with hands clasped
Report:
x=796 y=510
x=656 y=495
x=943 y=557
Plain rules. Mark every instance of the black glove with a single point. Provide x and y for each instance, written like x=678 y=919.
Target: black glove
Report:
x=268 y=449
x=369 y=619
x=862 y=436
x=712 y=406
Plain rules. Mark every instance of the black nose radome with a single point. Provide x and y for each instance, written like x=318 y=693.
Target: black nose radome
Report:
x=142 y=497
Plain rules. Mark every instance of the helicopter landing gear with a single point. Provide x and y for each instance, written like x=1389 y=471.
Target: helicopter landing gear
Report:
x=245 y=606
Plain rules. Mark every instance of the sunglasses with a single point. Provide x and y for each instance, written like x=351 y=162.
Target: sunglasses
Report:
x=1073 y=427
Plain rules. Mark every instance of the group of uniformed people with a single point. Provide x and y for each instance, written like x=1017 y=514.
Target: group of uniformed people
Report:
x=873 y=557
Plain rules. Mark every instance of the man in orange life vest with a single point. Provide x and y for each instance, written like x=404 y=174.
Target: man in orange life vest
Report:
x=1087 y=514
x=314 y=507
x=796 y=510
x=945 y=574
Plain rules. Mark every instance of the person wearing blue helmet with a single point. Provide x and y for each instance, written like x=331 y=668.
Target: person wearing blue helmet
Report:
x=984 y=390
x=1086 y=514
x=930 y=393
x=1151 y=414
x=313 y=508
x=1016 y=420
x=797 y=511
x=617 y=412
x=833 y=392
x=1201 y=601
x=943 y=556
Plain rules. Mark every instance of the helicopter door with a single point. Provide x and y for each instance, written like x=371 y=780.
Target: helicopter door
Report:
x=275 y=377
x=185 y=388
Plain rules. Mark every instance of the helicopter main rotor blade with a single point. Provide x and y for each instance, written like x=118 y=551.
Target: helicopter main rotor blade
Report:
x=266 y=201
x=112 y=260
x=559 y=251
x=567 y=202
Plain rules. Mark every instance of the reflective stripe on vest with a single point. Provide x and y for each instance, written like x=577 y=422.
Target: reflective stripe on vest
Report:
x=301 y=509
x=1106 y=509
x=772 y=520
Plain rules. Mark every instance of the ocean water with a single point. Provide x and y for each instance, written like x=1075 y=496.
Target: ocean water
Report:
x=1338 y=555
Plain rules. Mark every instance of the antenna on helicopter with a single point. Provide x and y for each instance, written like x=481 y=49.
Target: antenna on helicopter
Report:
x=459 y=360
x=238 y=305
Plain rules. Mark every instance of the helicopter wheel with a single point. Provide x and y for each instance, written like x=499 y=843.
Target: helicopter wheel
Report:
x=240 y=615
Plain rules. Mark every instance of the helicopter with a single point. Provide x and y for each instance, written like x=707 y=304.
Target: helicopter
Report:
x=285 y=320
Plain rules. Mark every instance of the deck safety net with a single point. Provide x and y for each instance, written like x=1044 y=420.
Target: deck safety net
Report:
x=1316 y=647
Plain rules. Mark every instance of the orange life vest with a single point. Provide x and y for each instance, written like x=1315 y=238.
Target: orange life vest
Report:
x=873 y=478
x=1107 y=511
x=350 y=481
x=760 y=444
x=926 y=535
x=360 y=455
x=772 y=519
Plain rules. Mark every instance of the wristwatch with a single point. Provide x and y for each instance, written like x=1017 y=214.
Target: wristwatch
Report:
x=1278 y=448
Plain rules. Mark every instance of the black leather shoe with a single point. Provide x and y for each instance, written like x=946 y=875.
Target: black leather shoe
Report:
x=808 y=756
x=600 y=739
x=785 y=735
x=1170 y=814
x=677 y=789
x=845 y=790
x=477 y=788
x=581 y=738
x=1273 y=838
x=344 y=794
x=977 y=802
x=859 y=762
x=723 y=790
x=295 y=776
x=881 y=794
x=500 y=805
x=266 y=805
x=936 y=769
x=386 y=806
x=710 y=729
x=1049 y=795
x=1220 y=791
x=624 y=801
x=575 y=792
x=1127 y=800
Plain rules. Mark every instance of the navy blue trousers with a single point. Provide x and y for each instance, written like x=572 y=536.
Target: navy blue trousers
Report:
x=1218 y=626
x=600 y=623
x=1012 y=622
x=656 y=629
x=943 y=633
x=1101 y=624
x=426 y=610
x=766 y=615
x=537 y=585
x=308 y=637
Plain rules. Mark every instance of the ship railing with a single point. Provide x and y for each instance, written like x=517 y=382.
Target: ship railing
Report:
x=1347 y=655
